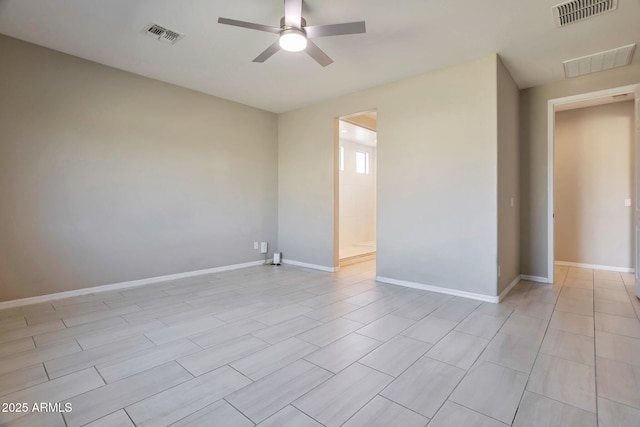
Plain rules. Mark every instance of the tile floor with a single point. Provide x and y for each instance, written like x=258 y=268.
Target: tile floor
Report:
x=285 y=346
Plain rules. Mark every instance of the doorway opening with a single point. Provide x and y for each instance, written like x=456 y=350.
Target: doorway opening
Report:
x=593 y=177
x=357 y=172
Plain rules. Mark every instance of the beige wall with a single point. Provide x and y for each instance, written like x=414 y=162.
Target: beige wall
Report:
x=106 y=186
x=533 y=157
x=106 y=176
x=437 y=178
x=593 y=175
x=508 y=179
x=357 y=198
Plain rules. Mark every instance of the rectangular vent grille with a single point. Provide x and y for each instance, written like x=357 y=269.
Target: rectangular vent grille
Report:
x=163 y=34
x=601 y=61
x=578 y=10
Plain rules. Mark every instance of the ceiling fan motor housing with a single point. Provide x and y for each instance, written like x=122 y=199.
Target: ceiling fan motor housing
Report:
x=303 y=24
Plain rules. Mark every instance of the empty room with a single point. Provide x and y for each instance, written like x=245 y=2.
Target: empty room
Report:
x=319 y=213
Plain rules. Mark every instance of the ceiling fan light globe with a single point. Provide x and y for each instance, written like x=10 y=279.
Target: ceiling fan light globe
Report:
x=293 y=41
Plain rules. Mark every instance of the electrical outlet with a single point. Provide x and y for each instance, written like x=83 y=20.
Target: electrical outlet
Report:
x=255 y=245
x=263 y=247
x=512 y=202
x=627 y=202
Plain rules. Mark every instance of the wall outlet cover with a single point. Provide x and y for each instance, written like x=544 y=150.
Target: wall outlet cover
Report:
x=263 y=247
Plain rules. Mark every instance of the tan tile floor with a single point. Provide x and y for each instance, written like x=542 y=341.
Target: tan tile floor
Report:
x=286 y=346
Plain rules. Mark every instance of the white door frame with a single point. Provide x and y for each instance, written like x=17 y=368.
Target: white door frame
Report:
x=551 y=125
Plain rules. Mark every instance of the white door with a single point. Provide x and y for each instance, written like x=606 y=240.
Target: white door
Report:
x=636 y=216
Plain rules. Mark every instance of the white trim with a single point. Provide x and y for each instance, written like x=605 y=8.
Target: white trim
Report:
x=537 y=279
x=504 y=293
x=307 y=265
x=551 y=127
x=122 y=285
x=596 y=266
x=550 y=161
x=431 y=288
x=597 y=94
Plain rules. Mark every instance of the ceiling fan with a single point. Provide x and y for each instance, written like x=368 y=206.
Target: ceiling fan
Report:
x=295 y=34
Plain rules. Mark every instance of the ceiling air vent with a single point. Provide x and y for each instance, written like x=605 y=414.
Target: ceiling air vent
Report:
x=163 y=34
x=601 y=61
x=578 y=10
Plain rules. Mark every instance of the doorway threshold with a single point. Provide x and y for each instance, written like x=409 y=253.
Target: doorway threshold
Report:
x=357 y=258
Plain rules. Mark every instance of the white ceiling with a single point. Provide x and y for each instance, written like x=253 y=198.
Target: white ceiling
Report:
x=403 y=39
x=359 y=135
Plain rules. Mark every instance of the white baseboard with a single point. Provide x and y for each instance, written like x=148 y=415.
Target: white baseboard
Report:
x=504 y=293
x=122 y=285
x=438 y=289
x=596 y=267
x=307 y=265
x=537 y=279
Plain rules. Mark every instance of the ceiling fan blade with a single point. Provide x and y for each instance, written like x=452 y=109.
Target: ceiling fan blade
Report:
x=316 y=53
x=335 y=29
x=249 y=25
x=268 y=52
x=293 y=13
